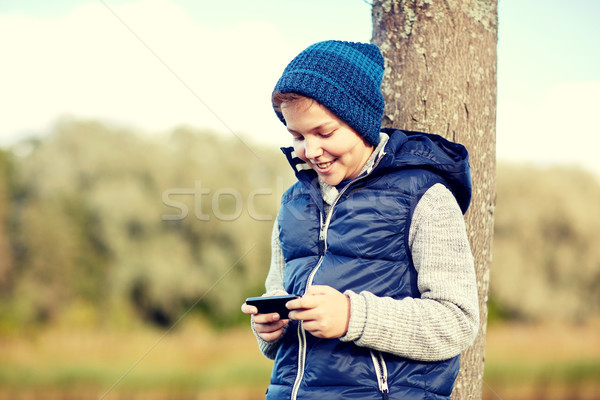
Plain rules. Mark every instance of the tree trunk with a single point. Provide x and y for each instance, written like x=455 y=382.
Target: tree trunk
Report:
x=441 y=77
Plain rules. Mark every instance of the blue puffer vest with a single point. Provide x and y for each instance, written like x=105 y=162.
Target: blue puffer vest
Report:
x=362 y=244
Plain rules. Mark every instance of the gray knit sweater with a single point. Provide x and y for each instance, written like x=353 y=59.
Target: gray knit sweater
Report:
x=440 y=324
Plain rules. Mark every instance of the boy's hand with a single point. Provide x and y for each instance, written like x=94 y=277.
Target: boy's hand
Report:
x=268 y=326
x=325 y=311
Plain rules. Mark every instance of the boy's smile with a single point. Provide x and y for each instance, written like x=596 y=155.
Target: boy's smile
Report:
x=326 y=143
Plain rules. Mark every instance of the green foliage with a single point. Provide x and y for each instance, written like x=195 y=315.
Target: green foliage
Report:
x=6 y=263
x=546 y=258
x=98 y=219
x=101 y=225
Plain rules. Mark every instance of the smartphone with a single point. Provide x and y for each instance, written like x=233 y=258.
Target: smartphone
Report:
x=272 y=304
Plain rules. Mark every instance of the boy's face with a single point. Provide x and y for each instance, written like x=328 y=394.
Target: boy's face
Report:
x=330 y=146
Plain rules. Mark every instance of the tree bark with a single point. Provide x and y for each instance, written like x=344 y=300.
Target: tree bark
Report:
x=441 y=77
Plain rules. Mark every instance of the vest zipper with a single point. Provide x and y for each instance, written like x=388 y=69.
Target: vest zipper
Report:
x=382 y=374
x=301 y=360
x=324 y=225
x=302 y=337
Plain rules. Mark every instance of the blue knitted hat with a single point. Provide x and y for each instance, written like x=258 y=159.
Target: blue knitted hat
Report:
x=345 y=77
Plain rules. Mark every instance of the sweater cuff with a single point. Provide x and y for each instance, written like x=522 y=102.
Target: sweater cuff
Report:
x=358 y=317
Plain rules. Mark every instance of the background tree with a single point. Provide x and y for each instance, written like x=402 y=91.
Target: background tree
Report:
x=104 y=226
x=441 y=78
x=6 y=264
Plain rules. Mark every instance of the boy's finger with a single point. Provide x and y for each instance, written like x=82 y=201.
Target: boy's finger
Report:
x=302 y=315
x=269 y=336
x=301 y=303
x=309 y=300
x=246 y=309
x=293 y=304
x=266 y=318
x=270 y=328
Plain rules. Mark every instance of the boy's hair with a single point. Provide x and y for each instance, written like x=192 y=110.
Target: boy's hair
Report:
x=278 y=99
x=345 y=77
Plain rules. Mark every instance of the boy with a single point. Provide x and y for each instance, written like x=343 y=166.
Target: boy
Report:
x=371 y=236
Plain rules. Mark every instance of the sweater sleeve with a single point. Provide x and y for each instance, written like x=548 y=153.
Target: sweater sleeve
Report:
x=444 y=321
x=273 y=286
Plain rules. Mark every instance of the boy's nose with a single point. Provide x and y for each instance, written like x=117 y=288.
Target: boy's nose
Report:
x=312 y=148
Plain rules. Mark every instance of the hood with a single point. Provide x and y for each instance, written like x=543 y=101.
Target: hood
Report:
x=410 y=149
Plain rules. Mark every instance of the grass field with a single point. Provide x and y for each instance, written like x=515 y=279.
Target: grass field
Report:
x=196 y=362
x=537 y=362
x=192 y=360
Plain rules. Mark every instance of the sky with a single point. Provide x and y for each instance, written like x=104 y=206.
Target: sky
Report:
x=152 y=65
